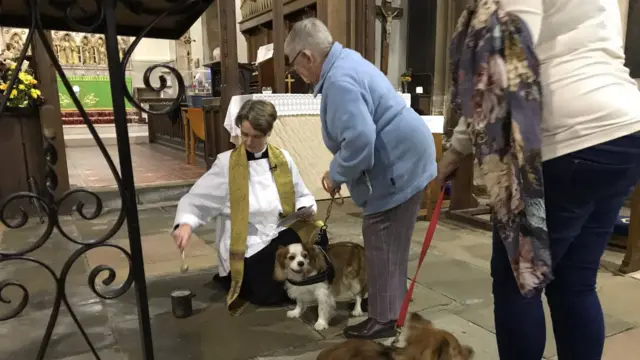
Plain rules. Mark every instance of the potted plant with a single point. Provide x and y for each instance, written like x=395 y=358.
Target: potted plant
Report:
x=21 y=140
x=405 y=79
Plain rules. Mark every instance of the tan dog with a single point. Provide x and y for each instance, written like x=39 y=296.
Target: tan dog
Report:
x=423 y=342
x=298 y=262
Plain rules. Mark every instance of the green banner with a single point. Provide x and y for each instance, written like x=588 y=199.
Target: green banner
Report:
x=94 y=92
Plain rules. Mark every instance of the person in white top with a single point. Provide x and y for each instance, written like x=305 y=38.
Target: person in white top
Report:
x=247 y=191
x=590 y=148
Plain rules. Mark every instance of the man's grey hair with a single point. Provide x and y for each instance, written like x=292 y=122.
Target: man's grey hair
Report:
x=309 y=34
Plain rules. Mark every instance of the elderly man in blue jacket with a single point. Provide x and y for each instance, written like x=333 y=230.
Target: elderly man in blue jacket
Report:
x=384 y=153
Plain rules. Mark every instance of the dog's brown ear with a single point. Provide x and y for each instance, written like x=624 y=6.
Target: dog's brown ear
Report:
x=280 y=265
x=417 y=319
x=316 y=257
x=443 y=349
x=417 y=323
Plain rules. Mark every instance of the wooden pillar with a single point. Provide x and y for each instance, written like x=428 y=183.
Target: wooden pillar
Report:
x=228 y=53
x=338 y=22
x=365 y=28
x=278 y=46
x=50 y=115
x=631 y=260
x=370 y=30
x=359 y=41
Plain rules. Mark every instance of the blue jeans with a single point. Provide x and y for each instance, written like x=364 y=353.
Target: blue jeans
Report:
x=584 y=192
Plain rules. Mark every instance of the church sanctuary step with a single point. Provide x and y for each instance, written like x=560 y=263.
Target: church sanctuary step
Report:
x=168 y=194
x=79 y=135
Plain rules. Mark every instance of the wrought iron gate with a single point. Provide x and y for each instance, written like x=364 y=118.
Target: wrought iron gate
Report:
x=90 y=16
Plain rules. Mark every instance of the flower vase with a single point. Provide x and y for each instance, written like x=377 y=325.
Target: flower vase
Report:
x=405 y=87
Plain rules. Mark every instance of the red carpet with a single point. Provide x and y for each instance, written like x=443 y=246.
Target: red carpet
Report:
x=96 y=116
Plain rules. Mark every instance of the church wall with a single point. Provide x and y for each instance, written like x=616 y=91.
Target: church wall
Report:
x=198 y=45
x=150 y=52
x=153 y=49
x=397 y=45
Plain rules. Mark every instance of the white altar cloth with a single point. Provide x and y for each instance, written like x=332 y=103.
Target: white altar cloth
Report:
x=435 y=123
x=286 y=105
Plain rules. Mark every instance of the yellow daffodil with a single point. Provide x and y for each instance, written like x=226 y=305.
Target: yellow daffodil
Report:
x=26 y=78
x=24 y=89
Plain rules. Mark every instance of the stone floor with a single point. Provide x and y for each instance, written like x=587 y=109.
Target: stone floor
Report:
x=152 y=165
x=453 y=290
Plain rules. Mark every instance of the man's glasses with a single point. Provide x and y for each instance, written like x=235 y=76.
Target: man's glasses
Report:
x=289 y=64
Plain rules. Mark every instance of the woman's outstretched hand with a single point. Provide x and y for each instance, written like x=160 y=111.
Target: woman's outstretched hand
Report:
x=447 y=165
x=182 y=235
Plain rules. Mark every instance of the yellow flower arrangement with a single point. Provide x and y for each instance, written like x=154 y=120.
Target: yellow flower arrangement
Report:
x=405 y=77
x=24 y=92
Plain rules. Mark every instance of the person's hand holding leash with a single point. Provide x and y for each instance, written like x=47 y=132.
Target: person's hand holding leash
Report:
x=328 y=185
x=447 y=165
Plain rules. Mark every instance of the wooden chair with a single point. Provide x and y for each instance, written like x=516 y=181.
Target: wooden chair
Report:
x=193 y=122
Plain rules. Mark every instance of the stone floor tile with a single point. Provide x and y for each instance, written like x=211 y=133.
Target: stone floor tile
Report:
x=456 y=279
x=483 y=317
x=214 y=334
x=625 y=345
x=306 y=352
x=159 y=292
x=161 y=257
x=426 y=299
x=618 y=295
x=101 y=226
x=105 y=354
x=20 y=338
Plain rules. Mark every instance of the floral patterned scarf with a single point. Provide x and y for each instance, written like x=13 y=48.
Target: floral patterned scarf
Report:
x=496 y=88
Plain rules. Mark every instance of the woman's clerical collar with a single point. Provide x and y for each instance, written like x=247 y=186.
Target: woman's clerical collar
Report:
x=264 y=154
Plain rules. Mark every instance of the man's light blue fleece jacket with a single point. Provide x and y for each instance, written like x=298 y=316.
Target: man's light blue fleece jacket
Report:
x=383 y=150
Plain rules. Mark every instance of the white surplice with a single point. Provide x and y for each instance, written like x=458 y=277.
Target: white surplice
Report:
x=209 y=199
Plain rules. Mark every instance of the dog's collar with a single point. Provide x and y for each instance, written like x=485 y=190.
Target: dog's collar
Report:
x=326 y=275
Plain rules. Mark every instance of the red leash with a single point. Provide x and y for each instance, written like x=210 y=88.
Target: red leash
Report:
x=425 y=247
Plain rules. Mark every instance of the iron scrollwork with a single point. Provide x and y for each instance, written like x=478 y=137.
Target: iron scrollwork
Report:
x=77 y=18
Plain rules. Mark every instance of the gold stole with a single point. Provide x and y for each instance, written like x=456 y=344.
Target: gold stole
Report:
x=239 y=208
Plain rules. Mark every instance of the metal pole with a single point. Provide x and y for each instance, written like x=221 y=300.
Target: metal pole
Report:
x=128 y=190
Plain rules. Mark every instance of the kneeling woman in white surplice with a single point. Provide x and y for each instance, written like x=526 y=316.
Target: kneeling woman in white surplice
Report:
x=247 y=190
